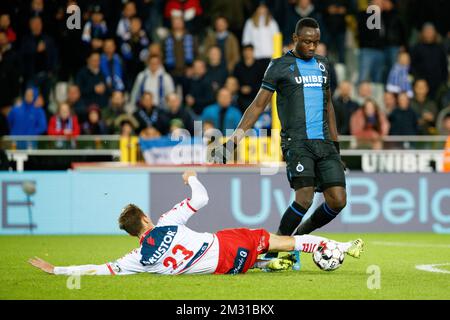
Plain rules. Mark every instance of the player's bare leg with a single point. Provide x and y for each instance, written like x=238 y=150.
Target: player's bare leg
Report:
x=335 y=201
x=293 y=215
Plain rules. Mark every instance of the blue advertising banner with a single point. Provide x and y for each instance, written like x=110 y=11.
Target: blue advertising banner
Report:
x=89 y=202
x=69 y=202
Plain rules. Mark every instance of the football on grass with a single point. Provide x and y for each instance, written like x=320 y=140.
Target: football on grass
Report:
x=328 y=256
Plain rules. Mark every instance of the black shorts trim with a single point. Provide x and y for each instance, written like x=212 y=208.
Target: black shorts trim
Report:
x=325 y=186
x=302 y=182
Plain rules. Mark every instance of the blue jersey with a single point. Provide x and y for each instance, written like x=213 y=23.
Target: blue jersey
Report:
x=302 y=99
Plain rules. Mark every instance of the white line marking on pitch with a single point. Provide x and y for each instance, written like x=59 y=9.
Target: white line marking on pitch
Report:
x=432 y=267
x=407 y=244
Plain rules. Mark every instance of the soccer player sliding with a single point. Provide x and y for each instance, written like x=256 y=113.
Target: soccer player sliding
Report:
x=309 y=137
x=171 y=248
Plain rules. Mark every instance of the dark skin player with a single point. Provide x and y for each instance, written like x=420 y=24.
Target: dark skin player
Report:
x=305 y=43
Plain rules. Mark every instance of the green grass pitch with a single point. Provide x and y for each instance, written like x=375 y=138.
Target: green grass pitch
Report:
x=396 y=255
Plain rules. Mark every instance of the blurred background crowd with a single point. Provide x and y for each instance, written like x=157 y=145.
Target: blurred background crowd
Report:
x=151 y=67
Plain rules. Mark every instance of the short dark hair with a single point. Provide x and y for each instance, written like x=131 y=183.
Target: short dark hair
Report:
x=130 y=219
x=306 y=23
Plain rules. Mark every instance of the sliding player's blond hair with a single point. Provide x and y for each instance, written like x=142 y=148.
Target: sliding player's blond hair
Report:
x=130 y=220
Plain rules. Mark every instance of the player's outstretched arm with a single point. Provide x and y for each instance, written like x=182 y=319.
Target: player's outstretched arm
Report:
x=199 y=197
x=90 y=269
x=251 y=115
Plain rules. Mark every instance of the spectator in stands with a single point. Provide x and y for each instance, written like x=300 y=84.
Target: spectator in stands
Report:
x=335 y=26
x=150 y=116
x=127 y=129
x=177 y=129
x=364 y=92
x=37 y=8
x=369 y=124
x=95 y=30
x=9 y=73
x=27 y=118
x=235 y=11
x=217 y=72
x=153 y=79
x=71 y=50
x=154 y=49
x=344 y=107
x=429 y=60
x=444 y=123
x=389 y=101
x=371 y=43
x=223 y=114
x=299 y=9
x=259 y=31
x=177 y=111
x=123 y=31
x=394 y=34
x=134 y=50
x=39 y=58
x=64 y=122
x=403 y=119
x=232 y=84
x=115 y=109
x=226 y=41
x=424 y=107
x=92 y=82
x=443 y=94
x=249 y=73
x=399 y=78
x=190 y=10
x=199 y=93
x=111 y=66
x=76 y=103
x=180 y=49
x=5 y=26
x=208 y=130
x=323 y=51
x=94 y=124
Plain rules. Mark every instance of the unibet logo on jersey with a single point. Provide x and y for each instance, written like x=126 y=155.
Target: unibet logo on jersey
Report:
x=311 y=81
x=152 y=251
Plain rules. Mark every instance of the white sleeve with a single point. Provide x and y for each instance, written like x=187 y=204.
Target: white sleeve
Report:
x=199 y=197
x=85 y=270
x=128 y=264
x=181 y=212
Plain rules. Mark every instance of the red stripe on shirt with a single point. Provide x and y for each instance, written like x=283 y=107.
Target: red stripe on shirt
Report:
x=110 y=269
x=187 y=202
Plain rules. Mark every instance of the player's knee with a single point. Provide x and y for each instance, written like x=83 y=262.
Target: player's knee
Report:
x=337 y=202
x=305 y=202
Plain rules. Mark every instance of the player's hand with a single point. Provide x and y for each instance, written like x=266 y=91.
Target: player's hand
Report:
x=188 y=174
x=223 y=153
x=43 y=265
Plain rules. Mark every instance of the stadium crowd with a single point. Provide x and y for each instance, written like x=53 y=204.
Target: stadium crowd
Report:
x=150 y=67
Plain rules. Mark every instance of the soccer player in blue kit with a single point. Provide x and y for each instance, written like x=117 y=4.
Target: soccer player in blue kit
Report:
x=309 y=137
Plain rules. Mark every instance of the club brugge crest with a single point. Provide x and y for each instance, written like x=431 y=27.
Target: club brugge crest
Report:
x=321 y=67
x=299 y=167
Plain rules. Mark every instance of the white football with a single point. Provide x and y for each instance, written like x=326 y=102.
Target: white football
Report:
x=328 y=256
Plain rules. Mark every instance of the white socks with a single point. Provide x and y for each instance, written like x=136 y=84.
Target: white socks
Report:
x=309 y=243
